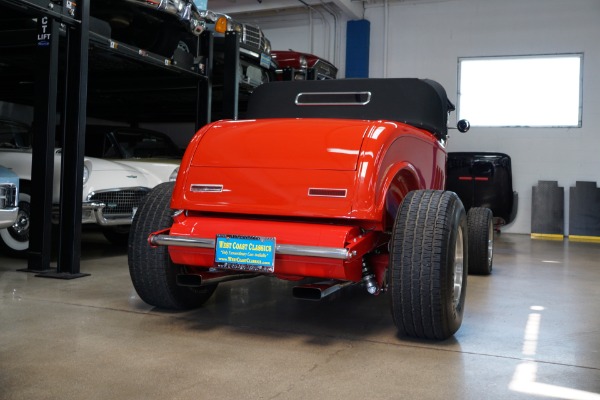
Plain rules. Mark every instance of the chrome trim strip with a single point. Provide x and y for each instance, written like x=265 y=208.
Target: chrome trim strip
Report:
x=119 y=189
x=205 y=188
x=250 y=52
x=314 y=192
x=287 y=249
x=341 y=103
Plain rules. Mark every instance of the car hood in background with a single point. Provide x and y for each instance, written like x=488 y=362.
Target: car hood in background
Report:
x=160 y=168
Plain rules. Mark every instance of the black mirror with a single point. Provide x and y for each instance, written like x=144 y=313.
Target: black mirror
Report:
x=463 y=125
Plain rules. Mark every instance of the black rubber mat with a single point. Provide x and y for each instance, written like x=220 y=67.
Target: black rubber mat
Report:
x=548 y=209
x=584 y=209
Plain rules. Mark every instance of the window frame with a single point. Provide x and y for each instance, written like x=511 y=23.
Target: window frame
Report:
x=579 y=55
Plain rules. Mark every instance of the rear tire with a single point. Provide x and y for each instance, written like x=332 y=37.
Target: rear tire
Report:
x=152 y=272
x=481 y=240
x=428 y=265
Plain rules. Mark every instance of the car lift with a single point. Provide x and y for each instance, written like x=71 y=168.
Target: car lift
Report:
x=75 y=17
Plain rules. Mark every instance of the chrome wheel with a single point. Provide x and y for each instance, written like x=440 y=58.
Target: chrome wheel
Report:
x=458 y=269
x=490 y=244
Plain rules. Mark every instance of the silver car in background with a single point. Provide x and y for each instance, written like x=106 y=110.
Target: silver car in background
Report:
x=9 y=195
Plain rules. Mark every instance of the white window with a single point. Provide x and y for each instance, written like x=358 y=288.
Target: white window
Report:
x=532 y=91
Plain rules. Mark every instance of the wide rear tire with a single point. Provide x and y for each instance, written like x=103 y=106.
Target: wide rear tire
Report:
x=152 y=272
x=428 y=265
x=481 y=240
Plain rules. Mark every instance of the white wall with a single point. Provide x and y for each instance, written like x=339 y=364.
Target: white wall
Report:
x=425 y=40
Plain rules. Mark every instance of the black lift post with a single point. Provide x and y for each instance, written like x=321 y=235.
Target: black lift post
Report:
x=204 y=91
x=42 y=163
x=74 y=120
x=46 y=73
x=231 y=70
x=58 y=60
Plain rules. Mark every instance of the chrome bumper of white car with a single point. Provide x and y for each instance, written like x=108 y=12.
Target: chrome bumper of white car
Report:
x=109 y=207
x=93 y=213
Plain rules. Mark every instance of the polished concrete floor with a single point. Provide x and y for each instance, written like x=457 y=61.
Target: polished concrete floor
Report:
x=531 y=330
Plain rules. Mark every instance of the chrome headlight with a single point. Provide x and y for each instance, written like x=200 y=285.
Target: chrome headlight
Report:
x=173 y=175
x=86 y=174
x=235 y=27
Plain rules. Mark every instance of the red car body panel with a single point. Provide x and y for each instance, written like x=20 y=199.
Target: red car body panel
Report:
x=265 y=172
x=307 y=182
x=291 y=59
x=298 y=233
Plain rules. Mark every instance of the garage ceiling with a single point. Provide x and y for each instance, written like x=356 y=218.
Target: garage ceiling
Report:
x=353 y=9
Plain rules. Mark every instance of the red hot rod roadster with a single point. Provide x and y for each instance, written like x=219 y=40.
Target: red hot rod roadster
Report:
x=328 y=183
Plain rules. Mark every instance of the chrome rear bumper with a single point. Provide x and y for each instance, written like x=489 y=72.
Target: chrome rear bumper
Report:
x=288 y=249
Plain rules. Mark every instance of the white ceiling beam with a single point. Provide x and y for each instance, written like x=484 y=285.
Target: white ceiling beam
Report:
x=238 y=7
x=352 y=9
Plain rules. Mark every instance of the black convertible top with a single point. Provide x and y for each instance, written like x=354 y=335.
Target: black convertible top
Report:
x=419 y=102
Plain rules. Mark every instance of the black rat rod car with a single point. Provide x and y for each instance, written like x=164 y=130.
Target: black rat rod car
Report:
x=338 y=181
x=484 y=179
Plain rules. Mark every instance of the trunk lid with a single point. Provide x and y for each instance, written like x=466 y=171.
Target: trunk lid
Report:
x=282 y=144
x=282 y=167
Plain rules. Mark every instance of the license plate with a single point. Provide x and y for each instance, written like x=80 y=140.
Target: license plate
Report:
x=265 y=60
x=245 y=253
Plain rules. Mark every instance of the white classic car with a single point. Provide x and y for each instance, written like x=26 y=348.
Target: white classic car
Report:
x=9 y=193
x=147 y=150
x=111 y=190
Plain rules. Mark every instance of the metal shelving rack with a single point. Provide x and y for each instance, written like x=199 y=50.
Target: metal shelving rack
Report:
x=74 y=71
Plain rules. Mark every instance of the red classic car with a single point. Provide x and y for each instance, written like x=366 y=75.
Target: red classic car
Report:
x=328 y=183
x=294 y=65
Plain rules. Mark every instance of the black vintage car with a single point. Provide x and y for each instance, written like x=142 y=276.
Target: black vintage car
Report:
x=483 y=180
x=163 y=27
x=156 y=26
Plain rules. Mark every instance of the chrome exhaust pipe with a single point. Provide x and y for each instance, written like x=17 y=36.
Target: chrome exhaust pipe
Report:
x=319 y=290
x=193 y=280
